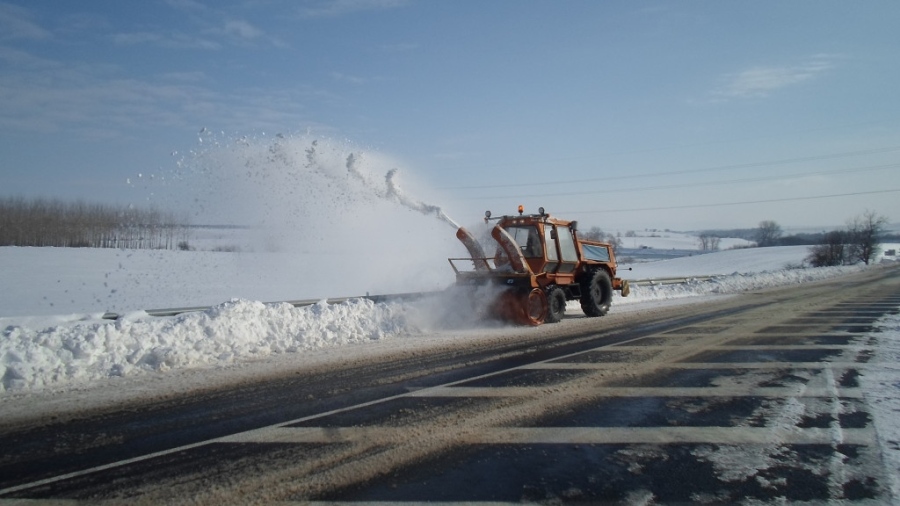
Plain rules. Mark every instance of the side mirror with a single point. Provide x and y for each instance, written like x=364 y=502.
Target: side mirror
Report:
x=574 y=226
x=553 y=234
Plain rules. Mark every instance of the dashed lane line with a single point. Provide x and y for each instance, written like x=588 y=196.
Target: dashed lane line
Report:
x=718 y=365
x=747 y=347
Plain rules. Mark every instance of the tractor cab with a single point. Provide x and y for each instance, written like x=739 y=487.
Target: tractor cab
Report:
x=547 y=244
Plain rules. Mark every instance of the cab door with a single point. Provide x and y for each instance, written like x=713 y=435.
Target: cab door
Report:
x=551 y=249
x=567 y=250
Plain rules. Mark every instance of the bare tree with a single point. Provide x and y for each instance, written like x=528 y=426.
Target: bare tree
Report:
x=831 y=251
x=768 y=233
x=864 y=234
x=709 y=242
x=592 y=234
x=597 y=234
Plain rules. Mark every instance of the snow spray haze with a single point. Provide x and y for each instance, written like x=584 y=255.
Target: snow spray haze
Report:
x=332 y=218
x=265 y=182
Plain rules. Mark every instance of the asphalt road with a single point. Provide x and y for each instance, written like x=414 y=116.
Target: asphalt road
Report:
x=752 y=398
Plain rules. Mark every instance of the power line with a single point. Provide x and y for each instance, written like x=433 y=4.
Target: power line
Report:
x=667 y=148
x=698 y=206
x=784 y=161
x=693 y=185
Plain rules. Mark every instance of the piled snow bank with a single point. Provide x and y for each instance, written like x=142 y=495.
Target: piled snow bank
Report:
x=137 y=343
x=40 y=352
x=734 y=283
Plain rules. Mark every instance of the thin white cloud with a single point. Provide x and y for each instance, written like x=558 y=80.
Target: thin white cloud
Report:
x=185 y=77
x=337 y=76
x=234 y=31
x=187 y=5
x=333 y=8
x=23 y=59
x=759 y=82
x=398 y=48
x=171 y=41
x=239 y=31
x=93 y=101
x=76 y=24
x=242 y=29
x=16 y=23
x=357 y=80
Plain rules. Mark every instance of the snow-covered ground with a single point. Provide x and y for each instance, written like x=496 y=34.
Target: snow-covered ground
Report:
x=64 y=354
x=74 y=345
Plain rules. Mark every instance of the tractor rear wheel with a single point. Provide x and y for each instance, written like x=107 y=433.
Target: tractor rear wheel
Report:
x=556 y=304
x=596 y=293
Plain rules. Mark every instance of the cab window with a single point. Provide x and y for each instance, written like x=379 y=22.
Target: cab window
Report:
x=567 y=244
x=528 y=239
x=550 y=243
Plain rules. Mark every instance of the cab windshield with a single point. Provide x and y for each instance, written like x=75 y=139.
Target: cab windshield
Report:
x=528 y=239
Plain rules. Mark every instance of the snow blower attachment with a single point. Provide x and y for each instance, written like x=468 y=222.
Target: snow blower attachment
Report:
x=539 y=264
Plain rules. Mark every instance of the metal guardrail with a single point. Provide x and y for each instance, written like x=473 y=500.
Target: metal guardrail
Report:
x=670 y=281
x=296 y=303
x=389 y=297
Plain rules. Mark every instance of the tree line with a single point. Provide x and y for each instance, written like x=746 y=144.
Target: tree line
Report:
x=51 y=222
x=761 y=235
x=859 y=242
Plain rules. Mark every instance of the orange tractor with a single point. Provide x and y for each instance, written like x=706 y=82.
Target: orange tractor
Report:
x=539 y=264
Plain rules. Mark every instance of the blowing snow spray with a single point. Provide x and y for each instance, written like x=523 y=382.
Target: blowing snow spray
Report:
x=393 y=193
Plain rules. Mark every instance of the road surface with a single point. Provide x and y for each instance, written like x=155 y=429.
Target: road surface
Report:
x=753 y=398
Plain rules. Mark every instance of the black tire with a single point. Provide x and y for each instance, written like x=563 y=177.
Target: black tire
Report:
x=556 y=304
x=596 y=293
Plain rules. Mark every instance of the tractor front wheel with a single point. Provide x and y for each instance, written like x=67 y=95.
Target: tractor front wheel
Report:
x=534 y=307
x=525 y=308
x=556 y=304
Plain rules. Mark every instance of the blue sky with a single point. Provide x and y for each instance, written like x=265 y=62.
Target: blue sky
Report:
x=624 y=115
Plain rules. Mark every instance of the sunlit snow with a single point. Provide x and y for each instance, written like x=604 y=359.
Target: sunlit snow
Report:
x=46 y=350
x=318 y=220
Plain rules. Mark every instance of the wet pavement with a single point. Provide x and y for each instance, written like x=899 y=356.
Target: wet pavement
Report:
x=740 y=406
x=776 y=415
